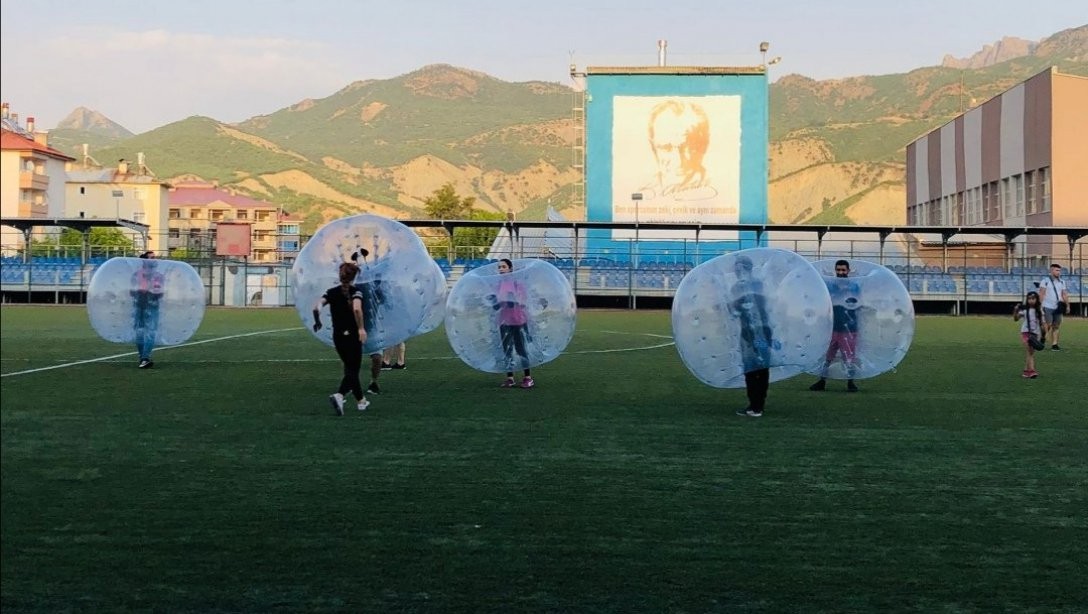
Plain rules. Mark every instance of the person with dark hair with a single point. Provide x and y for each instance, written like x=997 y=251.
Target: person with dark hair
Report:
x=1054 y=299
x=148 y=287
x=844 y=331
x=1032 y=314
x=749 y=305
x=510 y=301
x=348 y=334
x=373 y=298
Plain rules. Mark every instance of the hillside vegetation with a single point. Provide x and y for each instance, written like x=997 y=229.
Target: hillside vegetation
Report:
x=384 y=146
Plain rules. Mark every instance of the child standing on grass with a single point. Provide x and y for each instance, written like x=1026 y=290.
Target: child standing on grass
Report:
x=1032 y=314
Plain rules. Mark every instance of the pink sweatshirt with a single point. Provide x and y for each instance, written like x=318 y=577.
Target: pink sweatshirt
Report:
x=511 y=291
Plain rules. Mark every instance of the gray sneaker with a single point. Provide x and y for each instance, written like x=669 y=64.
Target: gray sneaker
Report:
x=337 y=401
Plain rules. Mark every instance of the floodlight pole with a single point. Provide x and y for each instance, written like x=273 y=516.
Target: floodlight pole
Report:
x=636 y=198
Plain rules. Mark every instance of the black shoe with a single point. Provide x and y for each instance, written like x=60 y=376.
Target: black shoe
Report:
x=851 y=386
x=1056 y=347
x=818 y=386
x=400 y=366
x=373 y=388
x=743 y=412
x=386 y=366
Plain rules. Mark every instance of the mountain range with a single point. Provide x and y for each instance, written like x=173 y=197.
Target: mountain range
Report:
x=384 y=146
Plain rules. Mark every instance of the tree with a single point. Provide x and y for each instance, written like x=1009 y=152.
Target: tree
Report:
x=71 y=241
x=445 y=204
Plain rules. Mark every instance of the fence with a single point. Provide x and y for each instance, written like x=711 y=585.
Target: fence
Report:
x=956 y=277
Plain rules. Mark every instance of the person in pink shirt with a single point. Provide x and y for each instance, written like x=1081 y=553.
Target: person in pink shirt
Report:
x=509 y=301
x=147 y=291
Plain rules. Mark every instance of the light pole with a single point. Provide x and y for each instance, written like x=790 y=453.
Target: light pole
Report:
x=118 y=195
x=636 y=198
x=763 y=47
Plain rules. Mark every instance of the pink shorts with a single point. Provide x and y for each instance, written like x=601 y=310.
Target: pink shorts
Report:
x=845 y=342
x=1024 y=341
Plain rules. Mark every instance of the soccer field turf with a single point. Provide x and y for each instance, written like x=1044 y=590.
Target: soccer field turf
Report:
x=220 y=480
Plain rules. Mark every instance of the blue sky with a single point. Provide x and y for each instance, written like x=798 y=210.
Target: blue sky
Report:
x=146 y=63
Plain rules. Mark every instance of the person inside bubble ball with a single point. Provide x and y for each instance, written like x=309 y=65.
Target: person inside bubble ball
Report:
x=373 y=299
x=509 y=300
x=148 y=285
x=844 y=330
x=345 y=303
x=749 y=305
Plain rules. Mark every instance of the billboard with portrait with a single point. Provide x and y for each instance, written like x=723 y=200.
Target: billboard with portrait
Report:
x=690 y=142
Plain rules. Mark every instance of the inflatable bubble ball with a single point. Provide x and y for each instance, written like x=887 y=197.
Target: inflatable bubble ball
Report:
x=751 y=309
x=145 y=300
x=396 y=277
x=510 y=320
x=436 y=310
x=873 y=323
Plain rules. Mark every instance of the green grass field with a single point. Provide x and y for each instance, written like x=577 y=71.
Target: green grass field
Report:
x=221 y=481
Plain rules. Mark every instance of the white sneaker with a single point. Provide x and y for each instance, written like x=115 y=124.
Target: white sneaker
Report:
x=337 y=401
x=364 y=404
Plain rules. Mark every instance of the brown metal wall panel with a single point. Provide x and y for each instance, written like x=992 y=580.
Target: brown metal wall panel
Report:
x=1038 y=112
x=933 y=163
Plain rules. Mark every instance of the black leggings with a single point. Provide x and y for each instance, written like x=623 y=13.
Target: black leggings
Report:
x=350 y=350
x=513 y=340
x=757 y=382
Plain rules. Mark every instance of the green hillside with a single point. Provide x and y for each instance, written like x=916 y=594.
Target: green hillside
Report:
x=434 y=110
x=391 y=142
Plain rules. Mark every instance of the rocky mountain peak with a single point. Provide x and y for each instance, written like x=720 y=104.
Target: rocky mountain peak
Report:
x=1003 y=50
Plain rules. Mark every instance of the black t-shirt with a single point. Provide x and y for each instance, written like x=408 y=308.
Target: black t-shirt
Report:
x=343 y=318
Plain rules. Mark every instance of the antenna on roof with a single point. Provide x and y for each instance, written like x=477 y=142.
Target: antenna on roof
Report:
x=87 y=158
x=141 y=166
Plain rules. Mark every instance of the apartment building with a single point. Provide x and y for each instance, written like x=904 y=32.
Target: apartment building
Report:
x=196 y=208
x=1018 y=159
x=32 y=176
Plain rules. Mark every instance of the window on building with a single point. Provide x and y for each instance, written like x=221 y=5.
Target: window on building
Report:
x=975 y=215
x=242 y=214
x=1008 y=203
x=82 y=189
x=196 y=214
x=175 y=233
x=1018 y=188
x=1029 y=192
x=1044 y=189
x=175 y=214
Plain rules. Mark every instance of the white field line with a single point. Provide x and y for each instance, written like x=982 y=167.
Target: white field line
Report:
x=158 y=349
x=289 y=360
